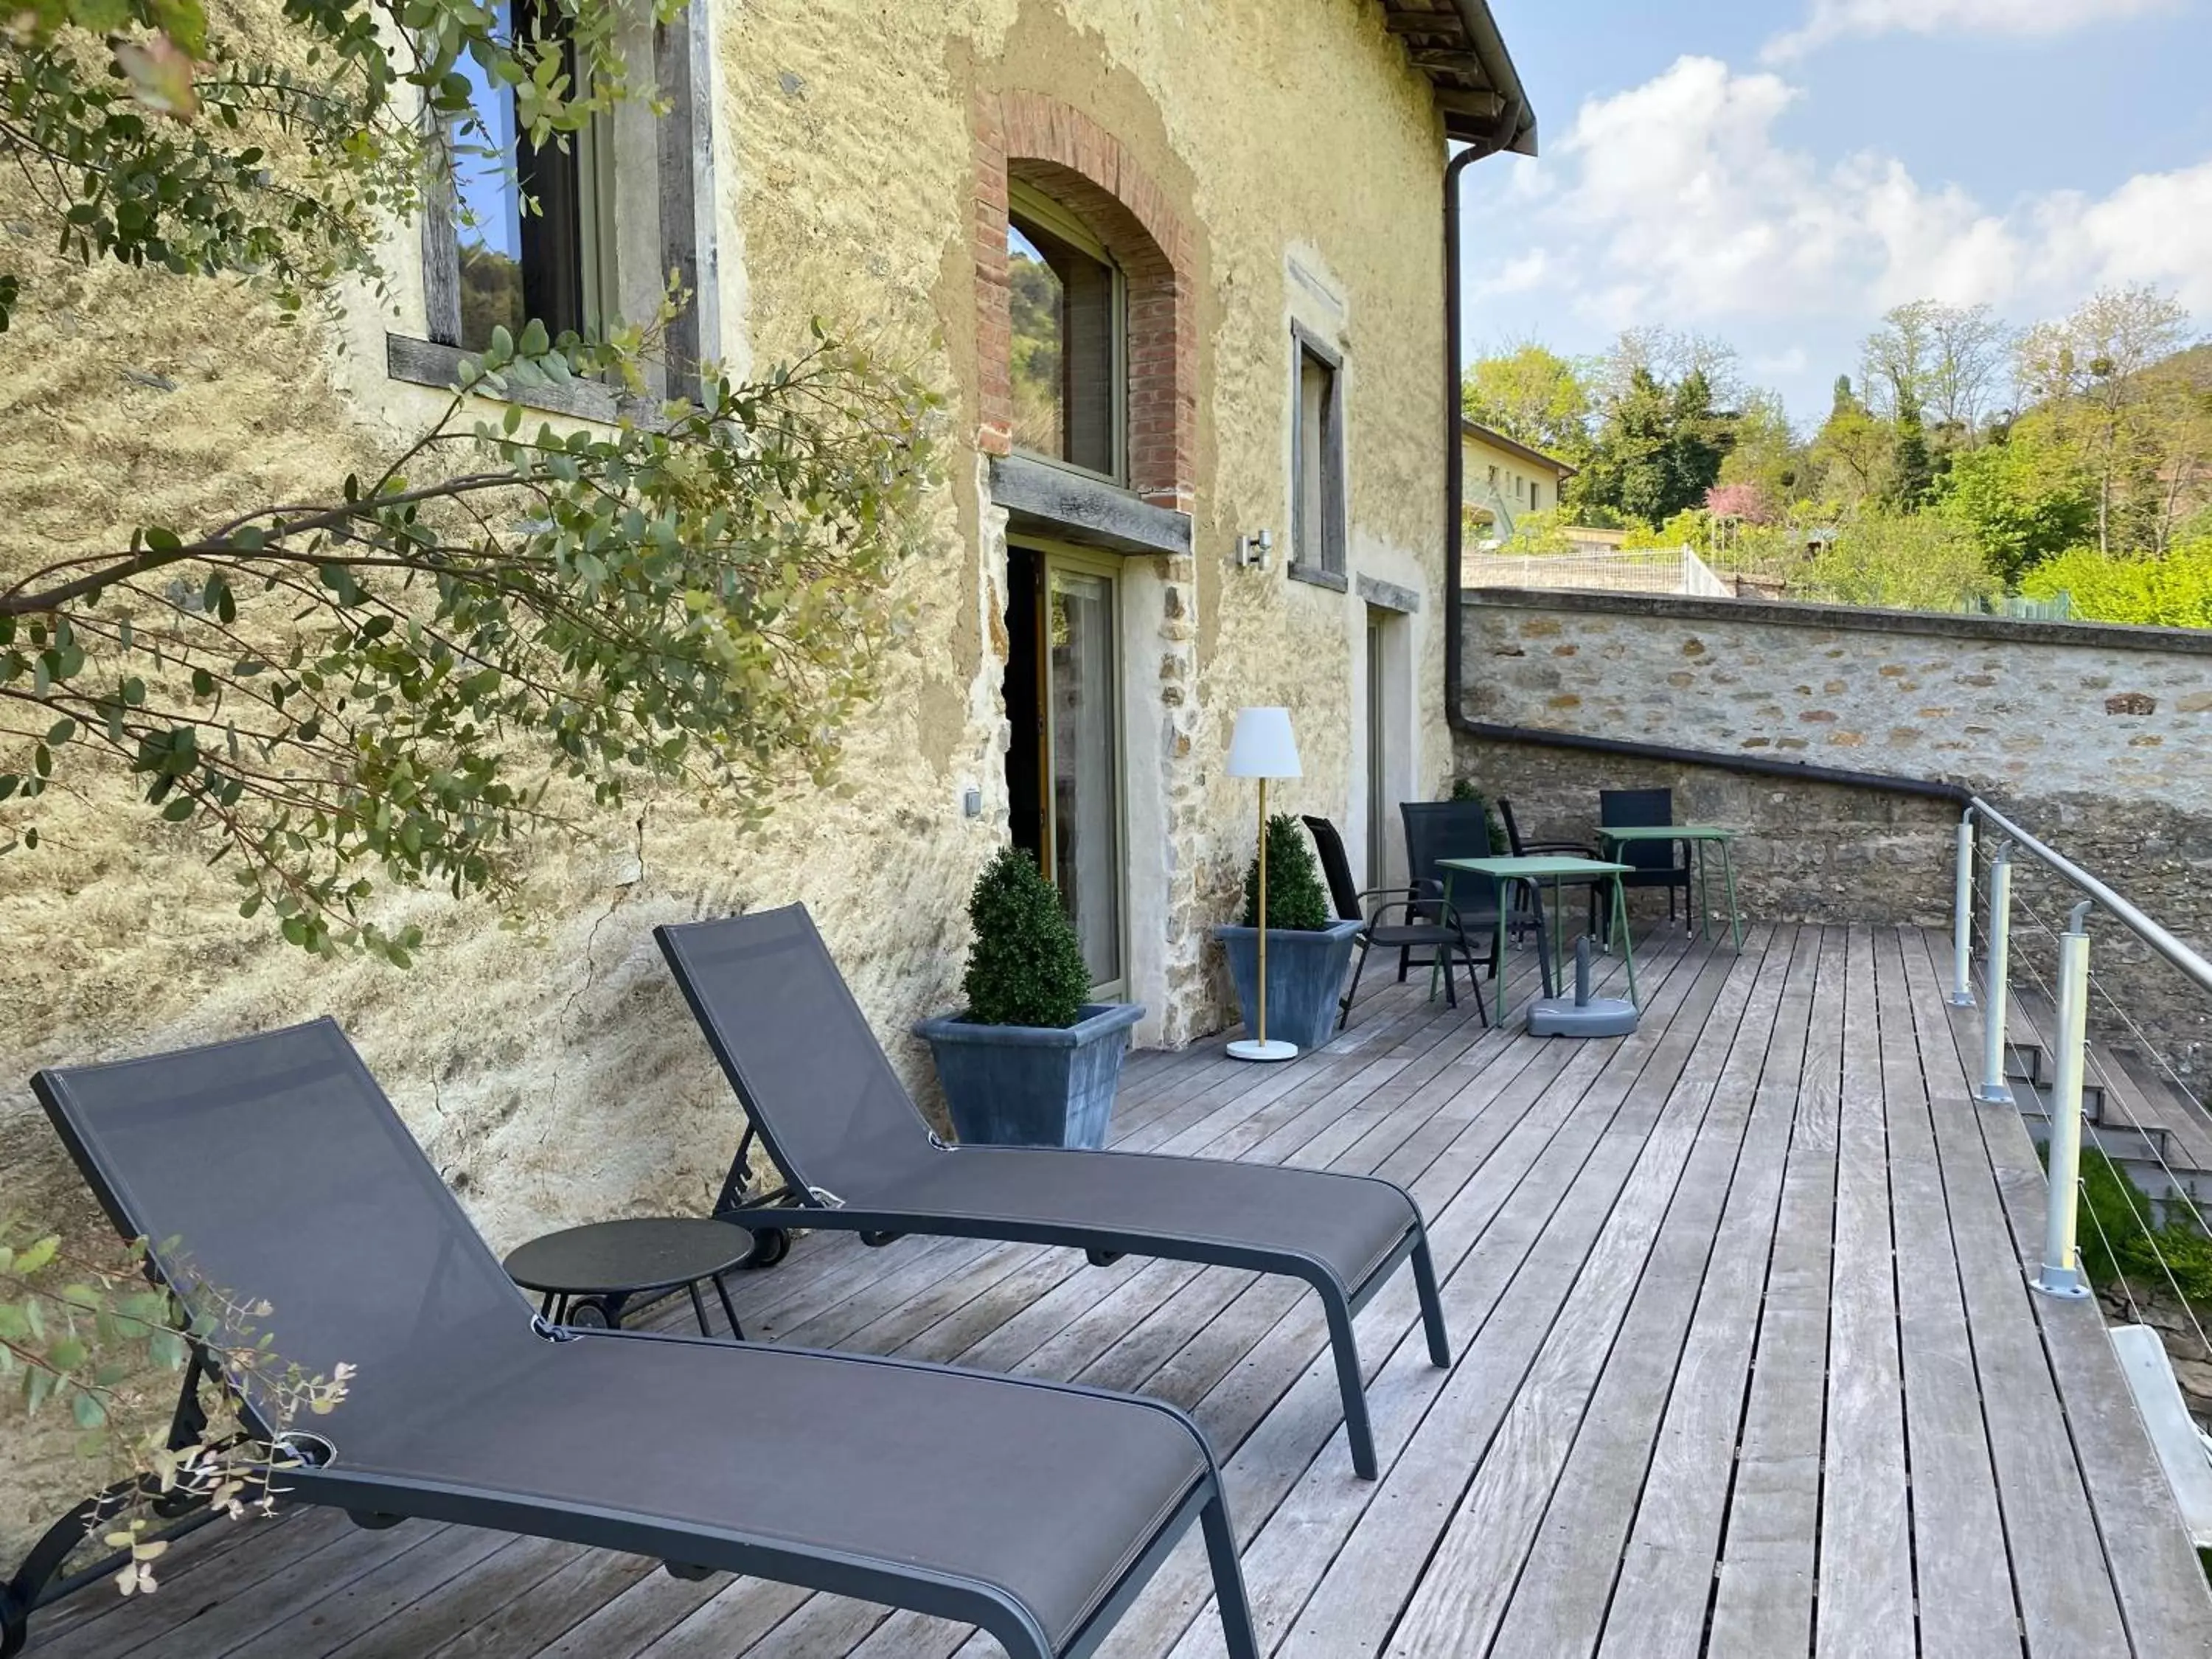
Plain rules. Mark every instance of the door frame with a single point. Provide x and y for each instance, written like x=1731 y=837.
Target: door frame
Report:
x=1052 y=553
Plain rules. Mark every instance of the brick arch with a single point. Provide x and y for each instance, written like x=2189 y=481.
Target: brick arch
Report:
x=1063 y=152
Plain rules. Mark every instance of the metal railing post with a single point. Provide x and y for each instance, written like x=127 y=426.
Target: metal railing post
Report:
x=1962 y=919
x=2062 y=1269
x=1996 y=1089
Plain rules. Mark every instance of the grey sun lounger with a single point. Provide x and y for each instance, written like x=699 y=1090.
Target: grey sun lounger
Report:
x=854 y=1152
x=1034 y=1510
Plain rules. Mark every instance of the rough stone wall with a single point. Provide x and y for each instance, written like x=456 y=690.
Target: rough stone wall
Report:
x=2092 y=738
x=568 y=1082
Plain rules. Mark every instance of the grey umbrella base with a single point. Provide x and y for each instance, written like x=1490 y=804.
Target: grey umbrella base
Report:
x=1581 y=1014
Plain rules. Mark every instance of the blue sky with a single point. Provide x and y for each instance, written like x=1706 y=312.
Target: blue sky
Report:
x=1779 y=175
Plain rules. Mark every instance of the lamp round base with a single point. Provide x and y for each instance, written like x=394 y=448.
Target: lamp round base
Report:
x=1247 y=1048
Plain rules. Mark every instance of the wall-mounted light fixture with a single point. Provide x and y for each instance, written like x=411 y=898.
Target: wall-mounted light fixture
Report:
x=1256 y=550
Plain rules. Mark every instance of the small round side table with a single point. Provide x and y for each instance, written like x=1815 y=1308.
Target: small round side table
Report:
x=587 y=1275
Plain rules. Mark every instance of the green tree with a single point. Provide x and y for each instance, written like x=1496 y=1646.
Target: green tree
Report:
x=1767 y=454
x=2092 y=374
x=1850 y=455
x=1910 y=484
x=1904 y=561
x=1533 y=395
x=1944 y=361
x=1658 y=450
x=410 y=670
x=2022 y=500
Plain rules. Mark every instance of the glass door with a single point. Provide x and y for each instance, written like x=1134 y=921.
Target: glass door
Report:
x=1064 y=770
x=1378 y=793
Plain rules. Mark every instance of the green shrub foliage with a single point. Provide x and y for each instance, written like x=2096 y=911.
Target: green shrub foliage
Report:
x=1493 y=826
x=2121 y=1236
x=1026 y=965
x=1294 y=900
x=2172 y=592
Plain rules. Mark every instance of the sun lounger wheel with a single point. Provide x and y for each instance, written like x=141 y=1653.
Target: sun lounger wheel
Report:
x=877 y=1241
x=587 y=1313
x=770 y=1245
x=1104 y=1258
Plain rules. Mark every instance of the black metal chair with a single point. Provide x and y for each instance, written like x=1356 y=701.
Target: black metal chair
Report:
x=1446 y=934
x=1532 y=849
x=1440 y=829
x=1653 y=863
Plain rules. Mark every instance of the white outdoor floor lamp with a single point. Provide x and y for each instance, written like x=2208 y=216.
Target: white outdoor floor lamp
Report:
x=1262 y=747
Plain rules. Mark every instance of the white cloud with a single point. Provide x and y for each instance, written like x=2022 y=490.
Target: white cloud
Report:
x=1836 y=19
x=1674 y=202
x=1522 y=274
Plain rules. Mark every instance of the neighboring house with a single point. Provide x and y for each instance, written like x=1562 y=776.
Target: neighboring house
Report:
x=1505 y=479
x=1178 y=271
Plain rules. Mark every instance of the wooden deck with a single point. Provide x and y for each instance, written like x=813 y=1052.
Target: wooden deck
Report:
x=1747 y=1365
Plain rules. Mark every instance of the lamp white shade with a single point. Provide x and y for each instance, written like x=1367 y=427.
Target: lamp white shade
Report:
x=1261 y=745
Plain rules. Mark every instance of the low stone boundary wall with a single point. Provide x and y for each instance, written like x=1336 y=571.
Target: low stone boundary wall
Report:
x=2097 y=739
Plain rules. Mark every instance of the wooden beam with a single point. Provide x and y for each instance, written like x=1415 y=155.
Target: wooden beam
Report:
x=1457 y=101
x=1444 y=23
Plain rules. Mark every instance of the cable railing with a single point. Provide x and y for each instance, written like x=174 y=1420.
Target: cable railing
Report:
x=1990 y=845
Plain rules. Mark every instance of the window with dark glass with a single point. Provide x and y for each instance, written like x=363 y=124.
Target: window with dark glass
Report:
x=1318 y=462
x=1066 y=353
x=527 y=225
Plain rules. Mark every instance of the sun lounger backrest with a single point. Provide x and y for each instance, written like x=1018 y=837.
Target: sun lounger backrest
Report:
x=798 y=1049
x=273 y=1169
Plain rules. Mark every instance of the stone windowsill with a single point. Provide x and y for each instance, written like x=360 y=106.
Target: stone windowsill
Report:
x=425 y=362
x=1335 y=581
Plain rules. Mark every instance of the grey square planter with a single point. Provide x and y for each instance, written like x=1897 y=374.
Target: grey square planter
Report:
x=1032 y=1086
x=1306 y=977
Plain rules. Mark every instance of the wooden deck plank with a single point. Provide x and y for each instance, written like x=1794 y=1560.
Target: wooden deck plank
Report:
x=194 y=1573
x=233 y=1620
x=1640 y=1242
x=1470 y=1195
x=2062 y=1583
x=1569 y=1578
x=1962 y=1573
x=1655 y=1238
x=2146 y=1576
x=1359 y=1599
x=1763 y=1598
x=375 y=1601
x=1653 y=1601
x=1866 y=1545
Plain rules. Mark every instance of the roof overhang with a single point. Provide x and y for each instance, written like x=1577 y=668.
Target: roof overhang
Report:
x=1456 y=43
x=1498 y=441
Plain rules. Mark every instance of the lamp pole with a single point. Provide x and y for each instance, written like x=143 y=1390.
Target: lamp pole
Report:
x=1263 y=913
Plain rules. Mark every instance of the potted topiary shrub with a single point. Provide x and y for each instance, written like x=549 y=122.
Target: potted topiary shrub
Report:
x=1031 y=1061
x=1309 y=949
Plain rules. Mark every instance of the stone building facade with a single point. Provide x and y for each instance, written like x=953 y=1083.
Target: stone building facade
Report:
x=1265 y=181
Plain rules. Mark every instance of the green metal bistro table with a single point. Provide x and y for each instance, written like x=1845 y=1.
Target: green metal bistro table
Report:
x=1533 y=873
x=1699 y=837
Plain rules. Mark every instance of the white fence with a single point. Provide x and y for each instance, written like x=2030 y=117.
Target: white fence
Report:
x=1640 y=570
